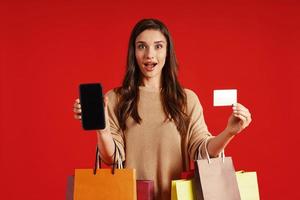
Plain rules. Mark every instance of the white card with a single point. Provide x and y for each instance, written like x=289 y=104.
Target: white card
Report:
x=225 y=97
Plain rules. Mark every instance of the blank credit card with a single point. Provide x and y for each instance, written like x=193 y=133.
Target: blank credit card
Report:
x=225 y=97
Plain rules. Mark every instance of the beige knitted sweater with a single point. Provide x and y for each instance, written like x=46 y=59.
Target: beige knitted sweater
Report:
x=155 y=148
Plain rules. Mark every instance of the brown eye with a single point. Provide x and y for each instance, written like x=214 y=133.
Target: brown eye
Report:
x=141 y=46
x=158 y=46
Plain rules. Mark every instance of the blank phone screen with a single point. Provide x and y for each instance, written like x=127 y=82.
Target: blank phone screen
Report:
x=92 y=106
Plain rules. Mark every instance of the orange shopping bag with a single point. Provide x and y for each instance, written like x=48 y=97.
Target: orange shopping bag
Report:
x=112 y=184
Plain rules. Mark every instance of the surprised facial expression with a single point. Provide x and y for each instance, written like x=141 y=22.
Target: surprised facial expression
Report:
x=151 y=52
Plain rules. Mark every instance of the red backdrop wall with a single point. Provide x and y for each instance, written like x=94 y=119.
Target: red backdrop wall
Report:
x=47 y=49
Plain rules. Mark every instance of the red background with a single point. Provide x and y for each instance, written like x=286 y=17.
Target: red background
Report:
x=48 y=48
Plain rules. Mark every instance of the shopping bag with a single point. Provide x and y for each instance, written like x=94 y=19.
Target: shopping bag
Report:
x=183 y=190
x=112 y=184
x=215 y=179
x=145 y=189
x=248 y=186
x=104 y=184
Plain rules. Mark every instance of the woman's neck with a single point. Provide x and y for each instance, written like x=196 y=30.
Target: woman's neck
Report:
x=153 y=83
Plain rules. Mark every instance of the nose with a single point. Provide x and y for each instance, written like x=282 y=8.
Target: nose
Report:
x=150 y=53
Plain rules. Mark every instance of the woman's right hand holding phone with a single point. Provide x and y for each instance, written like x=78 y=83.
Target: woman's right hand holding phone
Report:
x=77 y=114
x=77 y=109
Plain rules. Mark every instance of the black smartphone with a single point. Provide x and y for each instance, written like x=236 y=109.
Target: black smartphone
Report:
x=92 y=106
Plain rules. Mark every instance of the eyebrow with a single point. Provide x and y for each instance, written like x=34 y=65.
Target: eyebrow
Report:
x=154 y=42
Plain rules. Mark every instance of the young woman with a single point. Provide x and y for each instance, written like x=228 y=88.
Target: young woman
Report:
x=157 y=125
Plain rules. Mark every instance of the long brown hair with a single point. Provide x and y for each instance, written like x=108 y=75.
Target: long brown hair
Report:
x=172 y=94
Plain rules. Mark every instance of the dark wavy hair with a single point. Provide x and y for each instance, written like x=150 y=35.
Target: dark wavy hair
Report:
x=172 y=94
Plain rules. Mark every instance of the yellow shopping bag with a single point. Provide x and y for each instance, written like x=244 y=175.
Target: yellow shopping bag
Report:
x=248 y=186
x=182 y=190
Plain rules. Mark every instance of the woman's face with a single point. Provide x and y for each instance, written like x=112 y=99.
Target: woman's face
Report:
x=151 y=52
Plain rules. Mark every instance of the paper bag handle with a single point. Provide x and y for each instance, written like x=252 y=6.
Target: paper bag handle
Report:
x=98 y=159
x=222 y=153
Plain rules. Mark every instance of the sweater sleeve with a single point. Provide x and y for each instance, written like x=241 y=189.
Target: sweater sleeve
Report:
x=198 y=134
x=115 y=129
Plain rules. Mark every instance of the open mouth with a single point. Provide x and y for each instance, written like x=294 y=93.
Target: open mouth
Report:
x=149 y=66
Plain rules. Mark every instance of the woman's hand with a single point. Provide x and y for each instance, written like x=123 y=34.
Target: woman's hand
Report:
x=77 y=114
x=239 y=119
x=77 y=109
